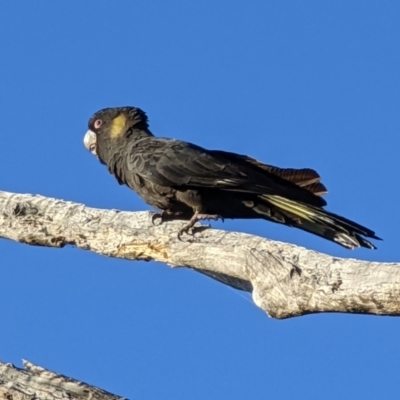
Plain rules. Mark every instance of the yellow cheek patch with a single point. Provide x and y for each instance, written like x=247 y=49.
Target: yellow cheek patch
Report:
x=118 y=126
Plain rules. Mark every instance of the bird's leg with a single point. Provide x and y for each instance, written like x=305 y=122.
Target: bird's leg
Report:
x=164 y=215
x=198 y=217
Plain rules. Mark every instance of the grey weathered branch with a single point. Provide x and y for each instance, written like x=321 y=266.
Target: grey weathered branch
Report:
x=34 y=382
x=285 y=280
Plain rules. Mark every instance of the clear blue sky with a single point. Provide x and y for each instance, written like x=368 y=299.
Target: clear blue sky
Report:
x=296 y=84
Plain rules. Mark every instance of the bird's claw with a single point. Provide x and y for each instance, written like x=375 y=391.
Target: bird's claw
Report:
x=164 y=216
x=185 y=229
x=198 y=217
x=156 y=216
x=214 y=217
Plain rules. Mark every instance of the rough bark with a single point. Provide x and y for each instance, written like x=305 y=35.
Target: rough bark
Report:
x=285 y=280
x=37 y=383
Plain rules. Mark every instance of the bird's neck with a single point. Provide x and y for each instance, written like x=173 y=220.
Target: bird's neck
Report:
x=138 y=134
x=115 y=150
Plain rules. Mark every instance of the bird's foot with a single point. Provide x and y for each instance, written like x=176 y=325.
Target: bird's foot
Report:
x=198 y=217
x=163 y=217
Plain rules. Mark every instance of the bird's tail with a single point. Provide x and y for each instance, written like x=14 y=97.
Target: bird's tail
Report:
x=315 y=220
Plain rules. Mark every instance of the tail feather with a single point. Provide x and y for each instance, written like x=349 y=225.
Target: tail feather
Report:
x=304 y=177
x=317 y=221
x=317 y=188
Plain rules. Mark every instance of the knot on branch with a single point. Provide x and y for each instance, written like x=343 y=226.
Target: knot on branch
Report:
x=24 y=209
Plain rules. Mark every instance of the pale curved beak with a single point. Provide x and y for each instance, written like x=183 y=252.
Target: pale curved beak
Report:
x=90 y=141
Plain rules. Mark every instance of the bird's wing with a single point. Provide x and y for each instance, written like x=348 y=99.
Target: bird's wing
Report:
x=183 y=165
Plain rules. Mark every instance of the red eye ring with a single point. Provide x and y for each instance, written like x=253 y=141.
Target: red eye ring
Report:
x=97 y=124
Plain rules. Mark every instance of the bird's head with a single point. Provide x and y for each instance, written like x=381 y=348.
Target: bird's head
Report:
x=110 y=125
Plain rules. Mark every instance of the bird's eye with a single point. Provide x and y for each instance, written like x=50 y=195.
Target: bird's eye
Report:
x=92 y=148
x=98 y=123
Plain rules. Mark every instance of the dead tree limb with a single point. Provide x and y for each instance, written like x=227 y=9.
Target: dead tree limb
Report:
x=34 y=382
x=285 y=280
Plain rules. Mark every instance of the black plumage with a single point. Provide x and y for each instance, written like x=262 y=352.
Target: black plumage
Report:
x=189 y=182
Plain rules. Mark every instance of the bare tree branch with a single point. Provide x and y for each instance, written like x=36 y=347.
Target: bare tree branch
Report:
x=35 y=382
x=285 y=280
